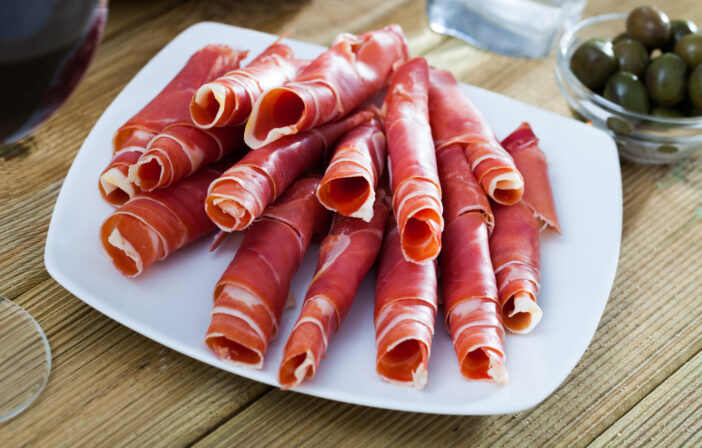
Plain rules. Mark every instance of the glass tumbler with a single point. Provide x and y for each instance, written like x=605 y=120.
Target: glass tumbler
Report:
x=521 y=28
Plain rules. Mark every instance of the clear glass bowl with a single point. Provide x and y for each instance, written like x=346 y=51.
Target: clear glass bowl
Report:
x=639 y=137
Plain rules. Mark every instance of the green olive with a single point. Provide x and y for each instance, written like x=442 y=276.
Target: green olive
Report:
x=678 y=29
x=593 y=63
x=665 y=79
x=631 y=56
x=626 y=90
x=667 y=112
x=694 y=88
x=650 y=25
x=620 y=36
x=689 y=48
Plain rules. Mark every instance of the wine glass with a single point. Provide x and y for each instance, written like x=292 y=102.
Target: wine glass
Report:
x=45 y=49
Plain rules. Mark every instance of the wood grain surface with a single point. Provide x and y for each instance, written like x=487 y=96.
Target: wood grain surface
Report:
x=638 y=384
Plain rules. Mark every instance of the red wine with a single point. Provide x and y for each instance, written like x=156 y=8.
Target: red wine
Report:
x=45 y=49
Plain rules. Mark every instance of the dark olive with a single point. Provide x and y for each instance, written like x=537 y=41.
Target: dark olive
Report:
x=620 y=36
x=626 y=90
x=689 y=48
x=667 y=112
x=593 y=63
x=631 y=56
x=694 y=88
x=665 y=79
x=678 y=29
x=650 y=25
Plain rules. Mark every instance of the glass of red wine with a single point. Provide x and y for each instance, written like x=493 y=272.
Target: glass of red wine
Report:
x=45 y=49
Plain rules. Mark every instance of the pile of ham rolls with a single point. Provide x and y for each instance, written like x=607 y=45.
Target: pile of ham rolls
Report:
x=289 y=150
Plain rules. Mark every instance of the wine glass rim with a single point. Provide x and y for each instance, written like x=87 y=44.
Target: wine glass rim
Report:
x=47 y=348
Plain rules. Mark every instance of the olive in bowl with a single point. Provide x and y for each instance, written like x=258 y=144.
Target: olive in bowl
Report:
x=649 y=25
x=631 y=56
x=594 y=62
x=625 y=89
x=689 y=48
x=665 y=79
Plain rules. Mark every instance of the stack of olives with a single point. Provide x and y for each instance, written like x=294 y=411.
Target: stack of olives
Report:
x=654 y=67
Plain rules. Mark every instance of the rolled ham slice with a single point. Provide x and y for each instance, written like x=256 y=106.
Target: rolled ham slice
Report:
x=151 y=226
x=454 y=119
x=347 y=253
x=468 y=288
x=241 y=194
x=412 y=166
x=515 y=247
x=472 y=309
x=461 y=192
x=334 y=84
x=405 y=309
x=252 y=292
x=516 y=258
x=349 y=183
x=170 y=106
x=524 y=148
x=228 y=100
x=179 y=151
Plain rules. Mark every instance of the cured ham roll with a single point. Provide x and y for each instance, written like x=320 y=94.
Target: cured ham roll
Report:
x=179 y=151
x=151 y=226
x=334 y=84
x=405 y=308
x=252 y=292
x=523 y=146
x=415 y=183
x=168 y=107
x=347 y=253
x=349 y=183
x=228 y=100
x=515 y=248
x=516 y=258
x=241 y=194
x=473 y=315
x=461 y=192
x=454 y=119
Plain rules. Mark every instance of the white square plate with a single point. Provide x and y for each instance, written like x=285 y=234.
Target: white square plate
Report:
x=171 y=302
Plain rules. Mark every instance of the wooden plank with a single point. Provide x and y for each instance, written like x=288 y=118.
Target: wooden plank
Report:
x=110 y=386
x=669 y=416
x=125 y=15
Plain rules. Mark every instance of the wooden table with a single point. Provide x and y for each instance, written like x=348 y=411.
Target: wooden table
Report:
x=639 y=382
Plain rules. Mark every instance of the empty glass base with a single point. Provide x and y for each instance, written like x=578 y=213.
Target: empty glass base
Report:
x=522 y=28
x=25 y=359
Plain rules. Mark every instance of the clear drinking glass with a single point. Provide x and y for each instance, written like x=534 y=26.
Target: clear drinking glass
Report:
x=25 y=359
x=45 y=49
x=522 y=28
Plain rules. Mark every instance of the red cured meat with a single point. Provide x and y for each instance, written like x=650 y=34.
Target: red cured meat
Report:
x=473 y=315
x=413 y=174
x=334 y=84
x=228 y=100
x=170 y=106
x=349 y=183
x=179 y=151
x=523 y=145
x=472 y=309
x=151 y=226
x=347 y=253
x=405 y=308
x=454 y=119
x=242 y=193
x=516 y=258
x=251 y=294
x=461 y=192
